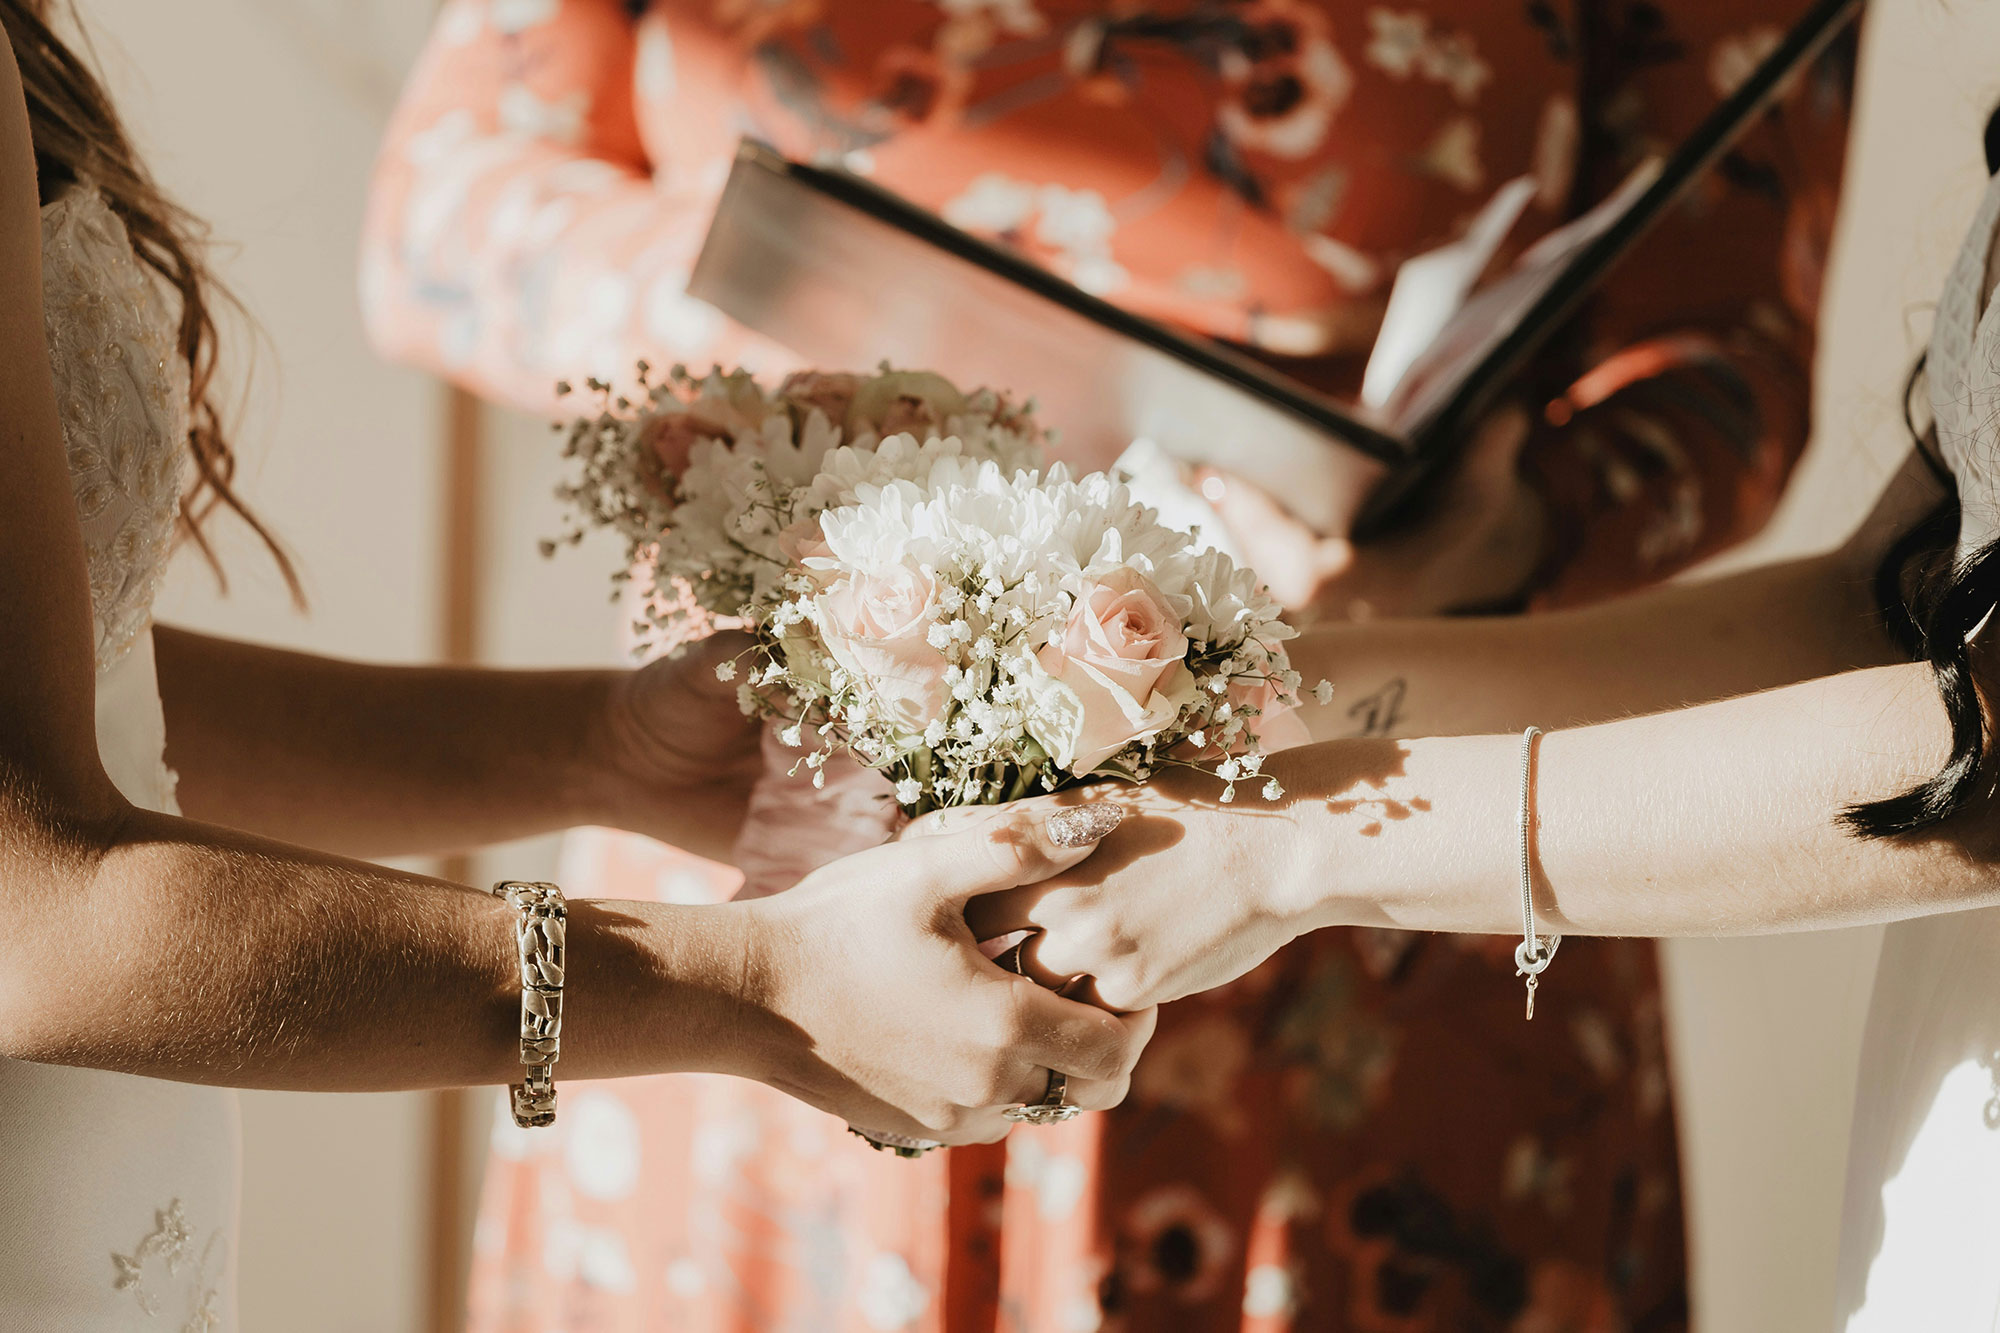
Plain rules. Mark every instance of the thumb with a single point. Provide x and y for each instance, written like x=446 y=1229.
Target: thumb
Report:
x=1022 y=843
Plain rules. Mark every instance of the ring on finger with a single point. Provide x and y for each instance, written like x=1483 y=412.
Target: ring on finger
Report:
x=903 y=1145
x=1015 y=960
x=1052 y=1109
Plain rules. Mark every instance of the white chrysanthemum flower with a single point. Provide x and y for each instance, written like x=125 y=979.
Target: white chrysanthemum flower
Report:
x=754 y=504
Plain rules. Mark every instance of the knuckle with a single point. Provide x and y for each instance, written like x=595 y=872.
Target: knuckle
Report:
x=986 y=1084
x=1108 y=1053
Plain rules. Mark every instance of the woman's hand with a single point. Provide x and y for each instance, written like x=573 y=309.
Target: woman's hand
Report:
x=677 y=753
x=1185 y=895
x=1475 y=541
x=886 y=1013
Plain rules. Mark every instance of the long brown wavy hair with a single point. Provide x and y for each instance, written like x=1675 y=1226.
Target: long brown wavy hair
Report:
x=78 y=136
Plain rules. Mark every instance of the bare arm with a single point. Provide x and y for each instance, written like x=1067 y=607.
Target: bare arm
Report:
x=1663 y=648
x=381 y=761
x=1712 y=820
x=143 y=942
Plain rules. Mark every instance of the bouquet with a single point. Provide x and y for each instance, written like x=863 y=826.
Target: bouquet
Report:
x=924 y=594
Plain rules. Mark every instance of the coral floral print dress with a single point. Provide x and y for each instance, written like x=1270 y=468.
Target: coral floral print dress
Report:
x=1361 y=1134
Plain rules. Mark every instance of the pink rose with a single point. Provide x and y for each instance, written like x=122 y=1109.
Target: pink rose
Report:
x=803 y=541
x=1121 y=655
x=876 y=625
x=831 y=394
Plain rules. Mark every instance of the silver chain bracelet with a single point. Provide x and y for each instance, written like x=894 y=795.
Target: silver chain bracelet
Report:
x=1534 y=953
x=540 y=933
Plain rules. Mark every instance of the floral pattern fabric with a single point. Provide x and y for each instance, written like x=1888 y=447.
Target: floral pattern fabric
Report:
x=1362 y=1134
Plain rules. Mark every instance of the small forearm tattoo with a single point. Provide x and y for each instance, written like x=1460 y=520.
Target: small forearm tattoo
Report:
x=1380 y=713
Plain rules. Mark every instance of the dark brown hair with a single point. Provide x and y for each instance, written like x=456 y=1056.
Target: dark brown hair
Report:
x=79 y=136
x=1931 y=604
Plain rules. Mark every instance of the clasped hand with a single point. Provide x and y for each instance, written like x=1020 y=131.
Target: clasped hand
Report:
x=1186 y=895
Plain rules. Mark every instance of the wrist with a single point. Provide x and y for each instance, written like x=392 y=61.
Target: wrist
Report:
x=772 y=996
x=612 y=780
x=1291 y=858
x=1412 y=834
x=706 y=996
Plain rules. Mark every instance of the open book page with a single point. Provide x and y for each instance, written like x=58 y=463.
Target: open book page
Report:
x=847 y=276
x=1463 y=343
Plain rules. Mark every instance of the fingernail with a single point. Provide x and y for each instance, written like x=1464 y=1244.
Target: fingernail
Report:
x=1082 y=825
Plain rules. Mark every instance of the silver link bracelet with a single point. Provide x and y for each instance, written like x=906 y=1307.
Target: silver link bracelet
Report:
x=540 y=933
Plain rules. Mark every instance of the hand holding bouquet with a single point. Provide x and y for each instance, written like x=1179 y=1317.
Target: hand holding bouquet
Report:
x=924 y=595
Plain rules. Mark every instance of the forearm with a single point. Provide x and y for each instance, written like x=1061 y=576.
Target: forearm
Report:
x=1670 y=646
x=159 y=946
x=382 y=761
x=1708 y=821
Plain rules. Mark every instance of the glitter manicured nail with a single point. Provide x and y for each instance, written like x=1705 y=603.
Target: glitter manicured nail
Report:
x=1082 y=825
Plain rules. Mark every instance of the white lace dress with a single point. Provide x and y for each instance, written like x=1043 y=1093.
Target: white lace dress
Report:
x=1920 y=1233
x=117 y=1194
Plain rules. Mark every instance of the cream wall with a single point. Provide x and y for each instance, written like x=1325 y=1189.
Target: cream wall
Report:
x=263 y=118
x=262 y=115
x=1767 y=1032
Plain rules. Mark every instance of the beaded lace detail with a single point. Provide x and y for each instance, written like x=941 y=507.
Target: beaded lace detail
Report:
x=122 y=392
x=172 y=1274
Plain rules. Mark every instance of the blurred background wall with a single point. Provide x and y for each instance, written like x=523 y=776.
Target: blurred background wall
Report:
x=262 y=115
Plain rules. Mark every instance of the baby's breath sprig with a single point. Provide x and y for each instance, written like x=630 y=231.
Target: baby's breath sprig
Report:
x=741 y=503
